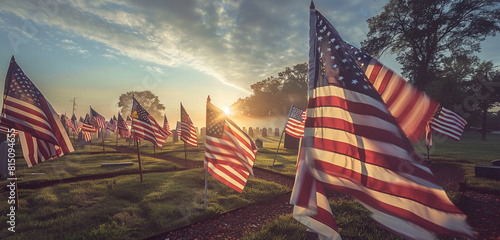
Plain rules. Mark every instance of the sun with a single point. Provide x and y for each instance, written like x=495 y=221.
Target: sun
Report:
x=227 y=110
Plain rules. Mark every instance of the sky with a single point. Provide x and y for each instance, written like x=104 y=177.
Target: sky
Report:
x=181 y=50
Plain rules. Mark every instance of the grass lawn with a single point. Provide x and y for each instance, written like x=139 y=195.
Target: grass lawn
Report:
x=123 y=208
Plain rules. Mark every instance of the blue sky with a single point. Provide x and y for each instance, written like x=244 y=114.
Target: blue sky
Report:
x=181 y=50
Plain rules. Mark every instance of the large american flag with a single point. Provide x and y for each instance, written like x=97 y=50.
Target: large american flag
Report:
x=188 y=131
x=166 y=126
x=412 y=108
x=449 y=124
x=145 y=126
x=229 y=152
x=123 y=128
x=353 y=144
x=98 y=118
x=295 y=123
x=26 y=109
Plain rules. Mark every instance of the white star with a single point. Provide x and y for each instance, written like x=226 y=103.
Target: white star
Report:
x=365 y=87
x=334 y=66
x=337 y=47
x=320 y=38
x=354 y=82
x=328 y=34
x=329 y=49
x=332 y=57
x=332 y=40
x=344 y=60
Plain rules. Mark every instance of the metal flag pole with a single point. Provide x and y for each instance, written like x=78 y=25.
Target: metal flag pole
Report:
x=282 y=133
x=102 y=136
x=139 y=158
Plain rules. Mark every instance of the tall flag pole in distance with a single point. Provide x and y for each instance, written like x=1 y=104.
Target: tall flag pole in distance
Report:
x=229 y=152
x=352 y=143
x=294 y=126
x=101 y=124
x=188 y=131
x=25 y=109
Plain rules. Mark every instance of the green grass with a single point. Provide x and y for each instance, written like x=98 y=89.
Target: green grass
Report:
x=123 y=208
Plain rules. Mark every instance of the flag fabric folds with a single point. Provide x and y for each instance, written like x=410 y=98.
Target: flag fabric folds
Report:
x=295 y=123
x=448 y=123
x=99 y=120
x=122 y=126
x=166 y=126
x=86 y=128
x=145 y=126
x=412 y=108
x=229 y=152
x=188 y=131
x=353 y=144
x=27 y=110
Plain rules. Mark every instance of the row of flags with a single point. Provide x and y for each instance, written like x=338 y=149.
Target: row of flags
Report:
x=356 y=134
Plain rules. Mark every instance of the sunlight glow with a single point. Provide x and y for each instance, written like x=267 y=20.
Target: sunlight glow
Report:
x=226 y=110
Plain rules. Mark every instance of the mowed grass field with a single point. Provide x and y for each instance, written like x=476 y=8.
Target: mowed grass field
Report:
x=122 y=207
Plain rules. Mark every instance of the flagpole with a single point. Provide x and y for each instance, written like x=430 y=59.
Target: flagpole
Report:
x=282 y=132
x=185 y=155
x=103 y=150
x=206 y=165
x=139 y=158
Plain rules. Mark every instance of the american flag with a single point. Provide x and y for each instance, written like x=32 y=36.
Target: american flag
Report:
x=98 y=118
x=112 y=124
x=353 y=144
x=70 y=124
x=188 y=131
x=448 y=124
x=411 y=108
x=144 y=126
x=295 y=123
x=26 y=110
x=123 y=128
x=8 y=130
x=86 y=128
x=166 y=126
x=229 y=152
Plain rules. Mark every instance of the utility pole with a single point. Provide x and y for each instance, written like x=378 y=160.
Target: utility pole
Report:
x=74 y=105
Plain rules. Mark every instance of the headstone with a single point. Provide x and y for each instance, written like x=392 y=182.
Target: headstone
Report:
x=175 y=137
x=264 y=132
x=495 y=162
x=276 y=132
x=257 y=131
x=291 y=142
x=203 y=132
x=259 y=144
x=492 y=172
x=250 y=132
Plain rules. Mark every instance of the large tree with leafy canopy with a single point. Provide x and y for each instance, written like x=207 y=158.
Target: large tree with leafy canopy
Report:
x=423 y=32
x=147 y=99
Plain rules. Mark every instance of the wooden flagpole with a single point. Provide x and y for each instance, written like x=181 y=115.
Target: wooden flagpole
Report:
x=102 y=136
x=282 y=133
x=139 y=158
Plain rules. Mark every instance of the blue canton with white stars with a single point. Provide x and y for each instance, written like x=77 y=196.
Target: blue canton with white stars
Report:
x=336 y=64
x=21 y=87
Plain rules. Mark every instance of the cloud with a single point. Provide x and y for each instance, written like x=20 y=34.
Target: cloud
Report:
x=237 y=42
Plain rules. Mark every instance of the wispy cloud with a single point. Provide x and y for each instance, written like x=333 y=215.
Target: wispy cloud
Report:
x=237 y=42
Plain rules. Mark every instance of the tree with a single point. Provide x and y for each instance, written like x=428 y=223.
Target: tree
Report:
x=147 y=99
x=485 y=86
x=423 y=32
x=276 y=94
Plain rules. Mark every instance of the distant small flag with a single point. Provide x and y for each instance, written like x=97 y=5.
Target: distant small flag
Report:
x=123 y=127
x=188 y=131
x=27 y=110
x=70 y=124
x=112 y=124
x=98 y=118
x=86 y=125
x=166 y=126
x=295 y=123
x=449 y=124
x=229 y=152
x=145 y=126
